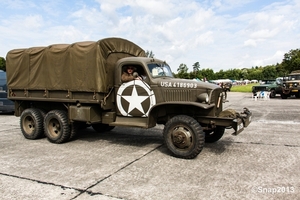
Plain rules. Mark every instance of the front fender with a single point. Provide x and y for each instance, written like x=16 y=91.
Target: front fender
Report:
x=161 y=111
x=196 y=104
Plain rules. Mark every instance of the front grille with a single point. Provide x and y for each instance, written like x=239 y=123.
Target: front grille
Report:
x=180 y=95
x=213 y=96
x=294 y=84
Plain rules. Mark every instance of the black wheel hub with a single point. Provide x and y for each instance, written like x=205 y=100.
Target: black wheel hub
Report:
x=181 y=137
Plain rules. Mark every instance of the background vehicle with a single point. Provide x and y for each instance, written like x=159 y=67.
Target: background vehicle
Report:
x=6 y=105
x=225 y=84
x=59 y=88
x=271 y=86
x=291 y=86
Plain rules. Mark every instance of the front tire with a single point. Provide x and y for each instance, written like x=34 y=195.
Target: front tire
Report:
x=215 y=135
x=75 y=127
x=283 y=96
x=272 y=94
x=31 y=123
x=184 y=136
x=57 y=128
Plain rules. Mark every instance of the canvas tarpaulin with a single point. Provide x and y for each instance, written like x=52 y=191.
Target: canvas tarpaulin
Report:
x=81 y=66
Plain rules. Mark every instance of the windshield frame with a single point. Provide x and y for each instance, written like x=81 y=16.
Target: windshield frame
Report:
x=294 y=77
x=159 y=69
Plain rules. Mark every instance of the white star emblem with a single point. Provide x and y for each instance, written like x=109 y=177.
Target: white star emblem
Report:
x=135 y=101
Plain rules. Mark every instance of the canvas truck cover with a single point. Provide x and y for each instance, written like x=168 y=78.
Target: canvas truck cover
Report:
x=81 y=66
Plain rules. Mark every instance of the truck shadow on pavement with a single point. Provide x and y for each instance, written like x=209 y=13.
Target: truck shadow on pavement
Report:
x=139 y=137
x=122 y=135
x=218 y=147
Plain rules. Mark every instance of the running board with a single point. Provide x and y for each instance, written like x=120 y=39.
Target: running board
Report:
x=130 y=121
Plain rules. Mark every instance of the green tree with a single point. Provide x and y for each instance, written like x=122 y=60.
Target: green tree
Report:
x=291 y=60
x=196 y=67
x=207 y=74
x=233 y=74
x=281 y=72
x=255 y=73
x=220 y=74
x=182 y=68
x=150 y=54
x=244 y=74
x=269 y=72
x=182 y=71
x=2 y=64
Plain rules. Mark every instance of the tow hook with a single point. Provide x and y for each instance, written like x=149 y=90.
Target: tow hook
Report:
x=246 y=111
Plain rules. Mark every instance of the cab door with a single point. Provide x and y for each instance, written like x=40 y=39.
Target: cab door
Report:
x=134 y=98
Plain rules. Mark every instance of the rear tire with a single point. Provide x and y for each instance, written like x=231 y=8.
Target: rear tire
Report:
x=31 y=123
x=184 y=136
x=57 y=128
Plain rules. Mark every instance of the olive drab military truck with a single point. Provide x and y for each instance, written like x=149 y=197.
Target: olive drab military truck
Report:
x=59 y=88
x=291 y=85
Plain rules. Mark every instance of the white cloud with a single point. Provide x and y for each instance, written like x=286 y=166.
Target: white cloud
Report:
x=250 y=42
x=217 y=34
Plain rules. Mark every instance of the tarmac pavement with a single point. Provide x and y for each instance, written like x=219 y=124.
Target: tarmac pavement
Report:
x=262 y=162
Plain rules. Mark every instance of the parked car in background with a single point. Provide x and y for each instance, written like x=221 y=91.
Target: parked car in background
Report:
x=271 y=86
x=291 y=85
x=6 y=105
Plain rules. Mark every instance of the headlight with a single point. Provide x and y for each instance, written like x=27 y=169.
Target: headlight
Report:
x=203 y=97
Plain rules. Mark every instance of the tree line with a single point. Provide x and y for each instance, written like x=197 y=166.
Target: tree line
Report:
x=290 y=62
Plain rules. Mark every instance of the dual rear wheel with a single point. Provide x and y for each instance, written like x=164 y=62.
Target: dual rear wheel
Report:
x=36 y=123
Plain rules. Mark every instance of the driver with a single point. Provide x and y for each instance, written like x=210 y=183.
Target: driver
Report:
x=127 y=75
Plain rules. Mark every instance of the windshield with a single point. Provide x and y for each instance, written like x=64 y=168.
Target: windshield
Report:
x=159 y=70
x=268 y=82
x=294 y=77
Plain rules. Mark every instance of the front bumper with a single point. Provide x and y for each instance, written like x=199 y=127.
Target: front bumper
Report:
x=228 y=118
x=241 y=121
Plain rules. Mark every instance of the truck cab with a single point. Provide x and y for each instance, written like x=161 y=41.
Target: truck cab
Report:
x=159 y=96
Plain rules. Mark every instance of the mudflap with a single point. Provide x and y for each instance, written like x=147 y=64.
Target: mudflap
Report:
x=241 y=121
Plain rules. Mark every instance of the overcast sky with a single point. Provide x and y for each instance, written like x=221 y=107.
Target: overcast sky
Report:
x=219 y=34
